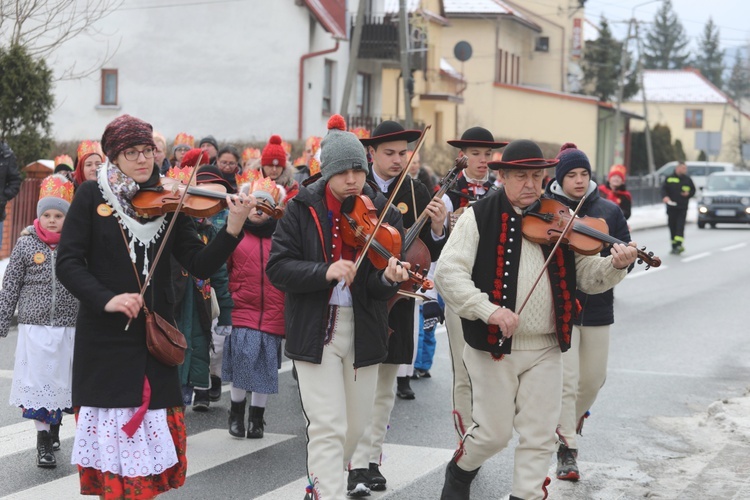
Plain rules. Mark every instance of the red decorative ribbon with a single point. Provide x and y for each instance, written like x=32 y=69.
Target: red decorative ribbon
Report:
x=135 y=421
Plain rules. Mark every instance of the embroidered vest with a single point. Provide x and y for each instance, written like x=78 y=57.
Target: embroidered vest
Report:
x=462 y=186
x=495 y=272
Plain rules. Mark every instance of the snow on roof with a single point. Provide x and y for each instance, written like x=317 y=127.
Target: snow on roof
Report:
x=392 y=6
x=679 y=85
x=449 y=70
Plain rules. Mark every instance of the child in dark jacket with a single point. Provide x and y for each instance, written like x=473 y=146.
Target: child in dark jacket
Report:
x=42 y=375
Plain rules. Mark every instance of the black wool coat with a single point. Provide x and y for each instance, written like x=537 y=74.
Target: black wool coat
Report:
x=94 y=264
x=401 y=317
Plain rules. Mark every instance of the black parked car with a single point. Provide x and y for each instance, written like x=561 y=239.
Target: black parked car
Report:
x=726 y=198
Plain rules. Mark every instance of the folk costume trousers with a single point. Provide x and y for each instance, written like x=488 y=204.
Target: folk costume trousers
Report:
x=521 y=391
x=337 y=401
x=461 y=395
x=584 y=373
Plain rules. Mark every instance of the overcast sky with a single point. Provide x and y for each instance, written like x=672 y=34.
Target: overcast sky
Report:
x=731 y=16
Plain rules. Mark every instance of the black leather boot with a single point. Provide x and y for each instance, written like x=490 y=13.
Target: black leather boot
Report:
x=214 y=393
x=403 y=388
x=44 y=454
x=54 y=432
x=237 y=419
x=255 y=422
x=457 y=484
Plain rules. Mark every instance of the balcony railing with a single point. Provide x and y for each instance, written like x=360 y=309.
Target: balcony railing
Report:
x=379 y=38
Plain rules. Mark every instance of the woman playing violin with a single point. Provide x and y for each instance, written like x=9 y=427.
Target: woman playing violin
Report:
x=585 y=363
x=336 y=315
x=121 y=392
x=486 y=270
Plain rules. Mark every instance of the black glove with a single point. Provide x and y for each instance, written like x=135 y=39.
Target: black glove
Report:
x=431 y=310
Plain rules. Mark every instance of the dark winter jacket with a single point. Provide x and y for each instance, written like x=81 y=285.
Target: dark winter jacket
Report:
x=299 y=260
x=10 y=178
x=31 y=283
x=674 y=186
x=597 y=309
x=401 y=317
x=93 y=262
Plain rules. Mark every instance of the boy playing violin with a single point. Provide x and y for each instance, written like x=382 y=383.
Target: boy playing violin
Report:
x=336 y=315
x=487 y=269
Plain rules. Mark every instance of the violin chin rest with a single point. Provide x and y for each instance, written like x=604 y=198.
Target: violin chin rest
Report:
x=347 y=205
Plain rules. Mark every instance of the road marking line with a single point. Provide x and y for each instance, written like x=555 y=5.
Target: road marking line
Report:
x=205 y=450
x=6 y=374
x=663 y=374
x=653 y=270
x=402 y=465
x=733 y=247
x=696 y=257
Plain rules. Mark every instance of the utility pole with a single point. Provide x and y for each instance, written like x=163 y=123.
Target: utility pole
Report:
x=649 y=146
x=403 y=21
x=353 y=58
x=739 y=126
x=620 y=89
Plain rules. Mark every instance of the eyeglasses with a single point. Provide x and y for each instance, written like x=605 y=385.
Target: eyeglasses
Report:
x=228 y=163
x=133 y=154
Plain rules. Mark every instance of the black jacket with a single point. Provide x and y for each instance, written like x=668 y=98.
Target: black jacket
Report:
x=297 y=266
x=10 y=178
x=401 y=317
x=94 y=264
x=598 y=309
x=674 y=186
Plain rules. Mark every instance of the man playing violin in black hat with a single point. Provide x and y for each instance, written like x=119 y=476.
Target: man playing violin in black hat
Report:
x=388 y=148
x=486 y=271
x=474 y=182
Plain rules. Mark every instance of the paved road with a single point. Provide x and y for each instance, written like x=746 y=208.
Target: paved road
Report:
x=678 y=345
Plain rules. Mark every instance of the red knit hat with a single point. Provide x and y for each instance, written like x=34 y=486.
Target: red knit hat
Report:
x=273 y=154
x=195 y=158
x=619 y=170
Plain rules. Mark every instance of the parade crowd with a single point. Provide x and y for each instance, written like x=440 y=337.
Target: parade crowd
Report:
x=329 y=258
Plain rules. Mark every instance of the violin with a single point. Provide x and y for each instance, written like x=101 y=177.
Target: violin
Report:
x=545 y=221
x=204 y=201
x=361 y=220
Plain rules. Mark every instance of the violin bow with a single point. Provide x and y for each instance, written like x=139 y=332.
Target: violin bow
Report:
x=400 y=181
x=552 y=253
x=164 y=239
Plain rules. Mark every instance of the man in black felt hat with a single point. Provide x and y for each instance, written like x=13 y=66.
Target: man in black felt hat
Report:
x=388 y=148
x=486 y=271
x=474 y=182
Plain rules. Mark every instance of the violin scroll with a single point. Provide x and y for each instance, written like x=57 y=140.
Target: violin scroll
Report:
x=649 y=258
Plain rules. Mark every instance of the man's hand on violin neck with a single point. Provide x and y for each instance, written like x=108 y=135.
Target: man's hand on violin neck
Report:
x=624 y=255
x=437 y=212
x=506 y=320
x=342 y=270
x=395 y=272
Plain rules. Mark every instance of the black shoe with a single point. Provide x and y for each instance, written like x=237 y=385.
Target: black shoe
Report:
x=376 y=480
x=214 y=393
x=356 y=484
x=567 y=468
x=422 y=373
x=255 y=422
x=201 y=400
x=403 y=389
x=54 y=432
x=44 y=454
x=237 y=419
x=457 y=484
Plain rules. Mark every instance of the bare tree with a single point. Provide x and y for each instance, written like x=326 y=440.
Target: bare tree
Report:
x=42 y=26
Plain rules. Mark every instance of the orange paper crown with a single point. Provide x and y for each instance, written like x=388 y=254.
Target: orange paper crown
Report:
x=313 y=143
x=360 y=132
x=267 y=185
x=181 y=174
x=89 y=147
x=247 y=176
x=250 y=154
x=299 y=161
x=184 y=140
x=58 y=186
x=314 y=166
x=64 y=160
x=287 y=147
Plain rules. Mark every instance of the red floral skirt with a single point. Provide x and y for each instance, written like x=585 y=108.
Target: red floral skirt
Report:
x=113 y=486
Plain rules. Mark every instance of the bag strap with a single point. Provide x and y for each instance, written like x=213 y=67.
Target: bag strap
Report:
x=137 y=276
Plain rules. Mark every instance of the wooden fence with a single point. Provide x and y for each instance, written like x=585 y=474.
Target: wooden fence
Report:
x=21 y=210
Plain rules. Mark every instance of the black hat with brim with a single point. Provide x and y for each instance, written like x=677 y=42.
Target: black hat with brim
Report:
x=522 y=155
x=212 y=175
x=477 y=137
x=389 y=131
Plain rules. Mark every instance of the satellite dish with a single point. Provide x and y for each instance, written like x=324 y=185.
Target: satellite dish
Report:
x=462 y=51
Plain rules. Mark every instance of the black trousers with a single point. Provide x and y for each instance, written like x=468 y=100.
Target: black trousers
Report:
x=676 y=219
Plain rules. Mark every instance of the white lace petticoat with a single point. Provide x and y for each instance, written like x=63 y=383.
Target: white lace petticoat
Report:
x=100 y=442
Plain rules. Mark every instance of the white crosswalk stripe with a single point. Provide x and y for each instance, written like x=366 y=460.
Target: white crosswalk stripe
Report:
x=402 y=465
x=22 y=436
x=204 y=451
